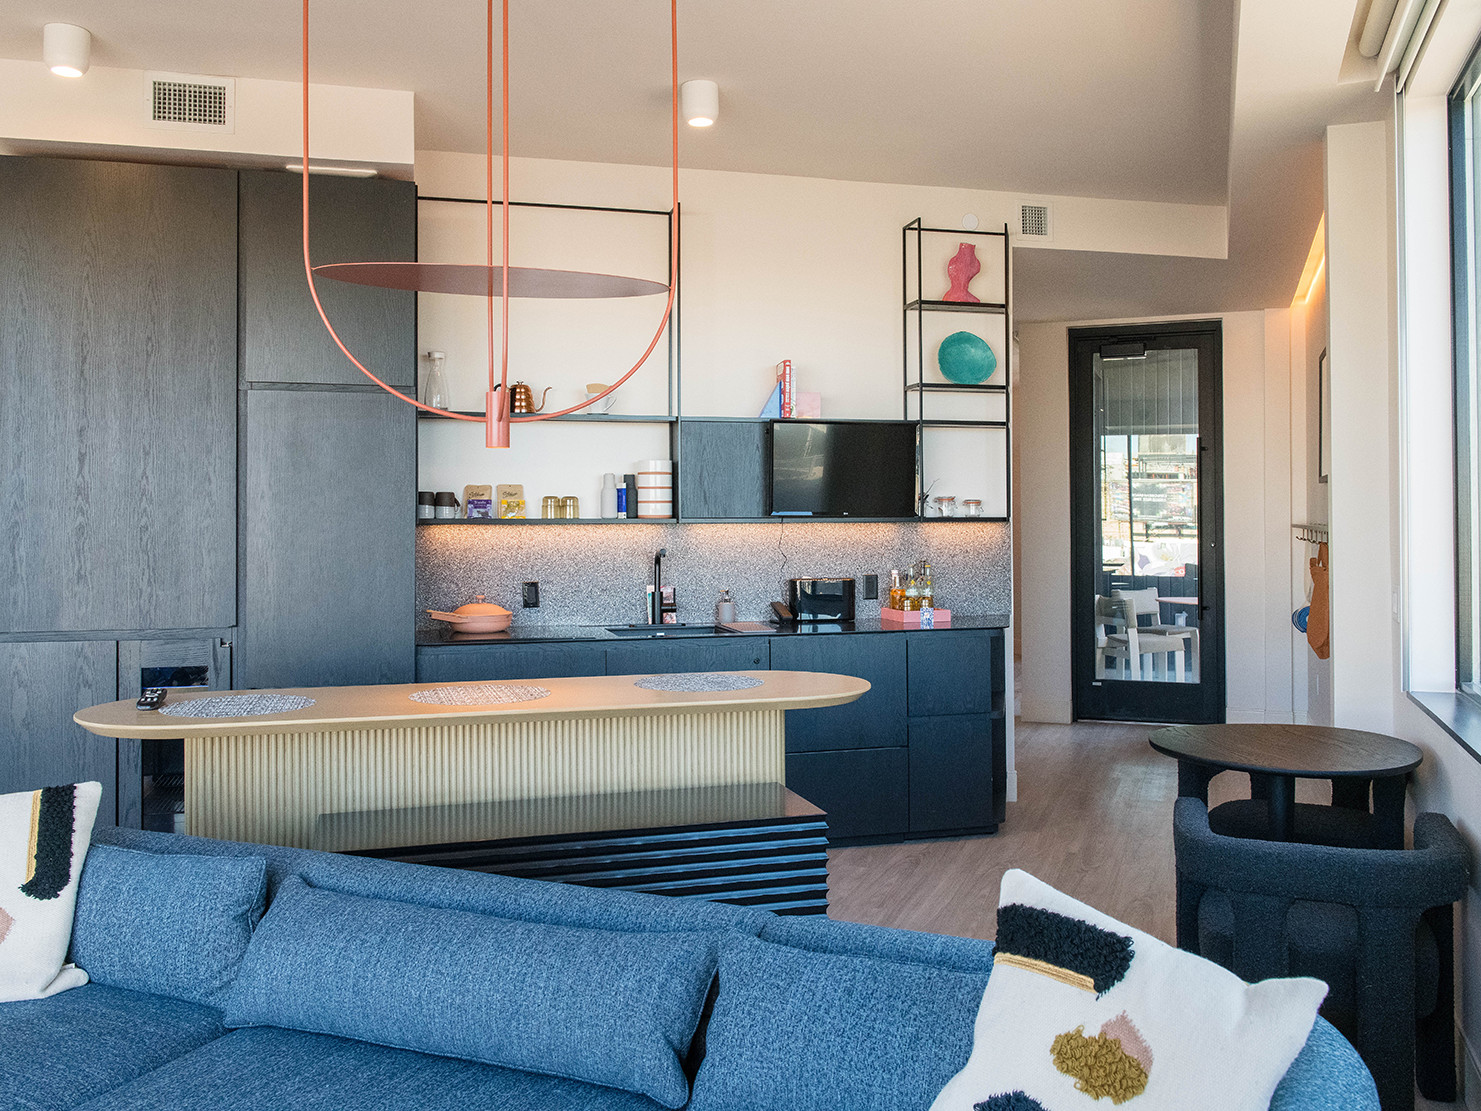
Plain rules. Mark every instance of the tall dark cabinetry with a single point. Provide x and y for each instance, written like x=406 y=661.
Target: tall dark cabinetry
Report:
x=329 y=460
x=117 y=396
x=142 y=516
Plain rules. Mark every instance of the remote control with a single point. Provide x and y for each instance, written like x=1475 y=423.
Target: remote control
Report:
x=152 y=698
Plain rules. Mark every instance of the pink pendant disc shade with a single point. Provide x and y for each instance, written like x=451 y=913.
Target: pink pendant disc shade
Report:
x=486 y=281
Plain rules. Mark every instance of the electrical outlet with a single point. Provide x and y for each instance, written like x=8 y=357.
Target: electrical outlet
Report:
x=871 y=586
x=532 y=596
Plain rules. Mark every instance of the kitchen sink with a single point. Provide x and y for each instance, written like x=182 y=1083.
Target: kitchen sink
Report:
x=680 y=630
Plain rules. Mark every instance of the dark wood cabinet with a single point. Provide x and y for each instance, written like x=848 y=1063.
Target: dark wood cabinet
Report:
x=42 y=684
x=699 y=654
x=951 y=773
x=923 y=753
x=468 y=663
x=283 y=339
x=876 y=720
x=118 y=353
x=328 y=497
x=951 y=674
x=724 y=468
x=864 y=791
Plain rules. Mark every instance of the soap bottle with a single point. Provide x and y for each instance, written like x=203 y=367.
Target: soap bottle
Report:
x=609 y=496
x=724 y=609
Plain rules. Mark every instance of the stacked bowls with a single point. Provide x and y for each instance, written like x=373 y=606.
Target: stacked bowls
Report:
x=655 y=487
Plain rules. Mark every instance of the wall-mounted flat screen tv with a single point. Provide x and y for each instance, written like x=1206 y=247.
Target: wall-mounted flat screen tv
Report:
x=843 y=468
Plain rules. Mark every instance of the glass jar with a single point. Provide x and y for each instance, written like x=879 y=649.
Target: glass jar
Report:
x=945 y=505
x=550 y=507
x=570 y=507
x=972 y=507
x=897 y=591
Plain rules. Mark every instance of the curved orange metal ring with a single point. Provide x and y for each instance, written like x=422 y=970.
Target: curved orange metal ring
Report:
x=496 y=416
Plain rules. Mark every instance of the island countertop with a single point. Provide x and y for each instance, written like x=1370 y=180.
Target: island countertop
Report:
x=391 y=706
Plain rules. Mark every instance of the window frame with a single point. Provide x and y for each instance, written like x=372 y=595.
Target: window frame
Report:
x=1463 y=104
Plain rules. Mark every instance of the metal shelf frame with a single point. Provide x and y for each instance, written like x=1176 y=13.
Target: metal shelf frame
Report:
x=914 y=303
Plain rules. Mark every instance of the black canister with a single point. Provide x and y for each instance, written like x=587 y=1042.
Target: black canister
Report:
x=426 y=505
x=446 y=504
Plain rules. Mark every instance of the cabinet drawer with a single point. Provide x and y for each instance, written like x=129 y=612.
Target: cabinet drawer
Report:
x=437 y=664
x=865 y=793
x=875 y=720
x=952 y=777
x=668 y=657
x=952 y=672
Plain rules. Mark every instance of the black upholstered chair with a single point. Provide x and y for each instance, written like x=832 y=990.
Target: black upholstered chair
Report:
x=1375 y=924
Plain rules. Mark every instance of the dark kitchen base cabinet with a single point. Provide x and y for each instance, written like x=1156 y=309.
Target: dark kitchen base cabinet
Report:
x=922 y=754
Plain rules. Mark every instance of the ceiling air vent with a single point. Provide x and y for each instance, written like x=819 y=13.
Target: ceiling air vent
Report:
x=1034 y=221
x=190 y=102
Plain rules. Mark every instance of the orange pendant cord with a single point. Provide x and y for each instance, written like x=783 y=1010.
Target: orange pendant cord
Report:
x=497 y=417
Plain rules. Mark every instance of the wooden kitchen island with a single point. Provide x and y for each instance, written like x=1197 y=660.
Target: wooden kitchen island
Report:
x=268 y=777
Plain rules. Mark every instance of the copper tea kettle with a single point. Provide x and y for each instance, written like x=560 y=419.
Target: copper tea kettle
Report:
x=522 y=398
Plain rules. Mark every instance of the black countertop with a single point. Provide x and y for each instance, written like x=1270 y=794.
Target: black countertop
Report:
x=547 y=634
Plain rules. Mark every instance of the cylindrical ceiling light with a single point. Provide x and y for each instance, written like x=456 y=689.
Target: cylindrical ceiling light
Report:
x=699 y=102
x=66 y=49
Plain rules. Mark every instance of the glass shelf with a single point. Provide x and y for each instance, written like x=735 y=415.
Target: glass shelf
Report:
x=548 y=521
x=602 y=418
x=955 y=387
x=996 y=308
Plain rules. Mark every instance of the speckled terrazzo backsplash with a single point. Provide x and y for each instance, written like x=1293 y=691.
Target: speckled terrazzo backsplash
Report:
x=596 y=574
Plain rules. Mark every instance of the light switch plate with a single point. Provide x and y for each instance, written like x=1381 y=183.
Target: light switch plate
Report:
x=531 y=595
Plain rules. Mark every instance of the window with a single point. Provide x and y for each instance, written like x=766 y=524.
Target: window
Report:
x=1465 y=123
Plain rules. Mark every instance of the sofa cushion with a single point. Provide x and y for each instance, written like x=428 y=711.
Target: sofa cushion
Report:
x=802 y=1031
x=506 y=896
x=609 y=1008
x=1327 y=1073
x=1080 y=1005
x=819 y=934
x=60 y=1051
x=165 y=923
x=267 y=1069
x=44 y=838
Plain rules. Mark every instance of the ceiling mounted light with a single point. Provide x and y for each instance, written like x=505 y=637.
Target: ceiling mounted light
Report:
x=500 y=282
x=66 y=49
x=699 y=102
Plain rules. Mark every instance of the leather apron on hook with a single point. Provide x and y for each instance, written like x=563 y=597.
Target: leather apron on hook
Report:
x=1318 y=631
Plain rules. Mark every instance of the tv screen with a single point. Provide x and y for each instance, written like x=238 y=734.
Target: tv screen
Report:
x=843 y=468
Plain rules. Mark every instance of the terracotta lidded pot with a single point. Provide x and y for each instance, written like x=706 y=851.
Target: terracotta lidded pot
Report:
x=478 y=616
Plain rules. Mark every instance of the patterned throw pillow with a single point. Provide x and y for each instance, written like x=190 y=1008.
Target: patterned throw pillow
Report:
x=1082 y=1008
x=43 y=841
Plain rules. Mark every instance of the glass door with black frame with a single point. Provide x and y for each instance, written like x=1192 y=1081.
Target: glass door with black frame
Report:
x=1145 y=476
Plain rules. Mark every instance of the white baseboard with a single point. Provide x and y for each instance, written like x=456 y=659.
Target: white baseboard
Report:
x=1049 y=710
x=1013 y=786
x=1258 y=717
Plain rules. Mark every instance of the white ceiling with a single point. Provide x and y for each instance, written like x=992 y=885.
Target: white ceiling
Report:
x=1131 y=99
x=1126 y=99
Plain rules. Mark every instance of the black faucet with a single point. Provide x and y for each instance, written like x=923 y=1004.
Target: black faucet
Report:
x=655 y=605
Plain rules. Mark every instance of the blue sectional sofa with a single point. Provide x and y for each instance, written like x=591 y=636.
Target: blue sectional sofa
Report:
x=374 y=984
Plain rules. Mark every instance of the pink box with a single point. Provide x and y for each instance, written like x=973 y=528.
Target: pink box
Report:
x=910 y=619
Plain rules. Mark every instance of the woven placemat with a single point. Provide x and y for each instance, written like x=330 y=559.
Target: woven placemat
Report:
x=236 y=705
x=698 y=681
x=480 y=694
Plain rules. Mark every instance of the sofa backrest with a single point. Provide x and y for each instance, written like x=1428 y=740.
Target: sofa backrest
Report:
x=454 y=889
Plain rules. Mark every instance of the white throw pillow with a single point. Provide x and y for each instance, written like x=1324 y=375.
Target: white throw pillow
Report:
x=1081 y=1007
x=44 y=837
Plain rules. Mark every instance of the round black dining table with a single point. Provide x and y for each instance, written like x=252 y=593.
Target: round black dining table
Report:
x=1275 y=756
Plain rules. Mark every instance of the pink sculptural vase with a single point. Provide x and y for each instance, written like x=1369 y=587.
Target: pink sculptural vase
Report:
x=962 y=268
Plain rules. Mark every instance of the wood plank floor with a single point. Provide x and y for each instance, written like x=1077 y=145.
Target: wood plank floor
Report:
x=1093 y=818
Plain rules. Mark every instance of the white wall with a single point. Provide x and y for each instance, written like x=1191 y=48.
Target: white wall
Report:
x=1361 y=268
x=1257 y=562
x=103 y=114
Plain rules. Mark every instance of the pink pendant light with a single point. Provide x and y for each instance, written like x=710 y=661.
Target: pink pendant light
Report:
x=496 y=281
